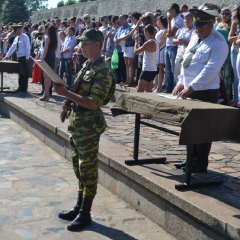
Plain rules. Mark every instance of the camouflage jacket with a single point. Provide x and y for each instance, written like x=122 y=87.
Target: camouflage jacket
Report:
x=99 y=85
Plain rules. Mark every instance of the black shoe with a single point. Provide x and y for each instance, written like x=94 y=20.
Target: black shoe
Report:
x=81 y=221
x=195 y=169
x=20 y=90
x=69 y=215
x=72 y=214
x=180 y=165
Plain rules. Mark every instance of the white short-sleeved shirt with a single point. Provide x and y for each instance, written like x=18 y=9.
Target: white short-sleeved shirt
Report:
x=204 y=66
x=177 y=22
x=182 y=34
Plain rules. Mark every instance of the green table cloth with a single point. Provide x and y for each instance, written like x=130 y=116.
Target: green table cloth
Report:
x=200 y=122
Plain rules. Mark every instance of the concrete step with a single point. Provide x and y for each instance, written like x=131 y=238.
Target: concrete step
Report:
x=207 y=213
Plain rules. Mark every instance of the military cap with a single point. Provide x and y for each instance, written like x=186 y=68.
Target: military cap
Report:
x=202 y=15
x=92 y=34
x=15 y=27
x=211 y=6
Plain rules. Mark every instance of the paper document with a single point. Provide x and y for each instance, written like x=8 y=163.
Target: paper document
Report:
x=49 y=72
x=170 y=96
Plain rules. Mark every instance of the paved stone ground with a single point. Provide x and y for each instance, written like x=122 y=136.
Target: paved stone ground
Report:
x=36 y=182
x=224 y=158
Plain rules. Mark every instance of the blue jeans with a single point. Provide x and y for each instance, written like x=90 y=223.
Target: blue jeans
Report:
x=170 y=55
x=235 y=75
x=66 y=66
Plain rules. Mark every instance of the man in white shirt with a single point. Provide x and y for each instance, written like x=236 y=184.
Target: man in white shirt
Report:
x=21 y=44
x=203 y=59
x=175 y=22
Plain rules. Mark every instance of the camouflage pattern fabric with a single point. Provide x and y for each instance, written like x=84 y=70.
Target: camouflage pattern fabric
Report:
x=86 y=127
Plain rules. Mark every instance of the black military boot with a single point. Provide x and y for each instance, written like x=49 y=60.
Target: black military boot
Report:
x=83 y=219
x=71 y=214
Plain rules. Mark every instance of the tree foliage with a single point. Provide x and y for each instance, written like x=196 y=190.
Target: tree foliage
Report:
x=36 y=5
x=81 y=1
x=15 y=11
x=60 y=3
x=69 y=2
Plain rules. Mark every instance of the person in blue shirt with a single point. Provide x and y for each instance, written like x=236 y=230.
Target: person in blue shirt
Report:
x=66 y=55
x=121 y=71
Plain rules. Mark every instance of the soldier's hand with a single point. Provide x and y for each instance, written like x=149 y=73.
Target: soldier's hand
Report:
x=65 y=107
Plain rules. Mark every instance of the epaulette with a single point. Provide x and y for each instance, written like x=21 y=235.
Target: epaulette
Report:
x=218 y=36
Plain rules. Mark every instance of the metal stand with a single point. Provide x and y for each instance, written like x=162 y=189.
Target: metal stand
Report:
x=188 y=174
x=135 y=160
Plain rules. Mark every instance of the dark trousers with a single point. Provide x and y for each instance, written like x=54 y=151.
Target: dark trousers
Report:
x=23 y=76
x=201 y=151
x=121 y=71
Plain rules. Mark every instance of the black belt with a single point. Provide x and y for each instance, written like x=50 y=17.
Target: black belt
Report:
x=129 y=45
x=79 y=109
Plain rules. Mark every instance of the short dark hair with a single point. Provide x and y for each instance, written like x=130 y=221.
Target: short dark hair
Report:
x=150 y=28
x=72 y=28
x=125 y=16
x=184 y=6
x=64 y=23
x=26 y=28
x=176 y=7
x=73 y=19
x=147 y=20
x=114 y=18
x=136 y=15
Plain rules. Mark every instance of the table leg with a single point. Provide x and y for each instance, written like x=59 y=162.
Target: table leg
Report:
x=135 y=160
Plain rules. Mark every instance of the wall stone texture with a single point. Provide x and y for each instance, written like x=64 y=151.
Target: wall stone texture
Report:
x=117 y=7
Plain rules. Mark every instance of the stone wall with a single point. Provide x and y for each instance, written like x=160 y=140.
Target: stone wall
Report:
x=116 y=7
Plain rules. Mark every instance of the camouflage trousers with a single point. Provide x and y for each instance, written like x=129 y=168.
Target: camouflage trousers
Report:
x=85 y=163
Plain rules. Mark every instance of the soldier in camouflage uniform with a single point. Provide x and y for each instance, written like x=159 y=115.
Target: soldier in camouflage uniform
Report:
x=86 y=124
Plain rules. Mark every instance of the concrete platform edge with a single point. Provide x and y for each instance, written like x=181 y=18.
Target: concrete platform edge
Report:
x=174 y=214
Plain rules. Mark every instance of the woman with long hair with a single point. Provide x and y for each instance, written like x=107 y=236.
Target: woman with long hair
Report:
x=50 y=46
x=232 y=38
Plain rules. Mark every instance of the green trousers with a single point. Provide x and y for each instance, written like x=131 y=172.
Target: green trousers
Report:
x=85 y=163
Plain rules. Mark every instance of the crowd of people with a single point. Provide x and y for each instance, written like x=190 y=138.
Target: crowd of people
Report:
x=150 y=48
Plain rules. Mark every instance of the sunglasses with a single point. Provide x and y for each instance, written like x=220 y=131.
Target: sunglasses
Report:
x=85 y=18
x=225 y=14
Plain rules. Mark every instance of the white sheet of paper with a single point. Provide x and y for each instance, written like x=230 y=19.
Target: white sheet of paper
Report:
x=170 y=96
x=49 y=72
